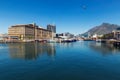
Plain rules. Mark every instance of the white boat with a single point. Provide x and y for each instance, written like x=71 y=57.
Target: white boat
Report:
x=51 y=41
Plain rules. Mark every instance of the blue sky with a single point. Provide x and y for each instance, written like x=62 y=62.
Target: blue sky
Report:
x=68 y=15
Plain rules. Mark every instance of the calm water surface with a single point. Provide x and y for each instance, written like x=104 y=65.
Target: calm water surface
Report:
x=59 y=61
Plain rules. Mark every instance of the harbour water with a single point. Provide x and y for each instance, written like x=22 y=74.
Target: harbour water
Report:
x=84 y=60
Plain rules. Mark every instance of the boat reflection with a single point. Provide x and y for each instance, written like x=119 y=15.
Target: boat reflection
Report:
x=31 y=51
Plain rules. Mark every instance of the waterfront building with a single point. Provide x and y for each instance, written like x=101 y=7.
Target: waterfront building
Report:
x=66 y=35
x=3 y=37
x=96 y=36
x=116 y=33
x=29 y=32
x=51 y=28
x=69 y=35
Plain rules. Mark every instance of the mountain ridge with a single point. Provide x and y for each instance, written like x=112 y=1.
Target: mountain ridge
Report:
x=104 y=28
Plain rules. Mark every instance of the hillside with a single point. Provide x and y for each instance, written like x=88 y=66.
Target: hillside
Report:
x=104 y=28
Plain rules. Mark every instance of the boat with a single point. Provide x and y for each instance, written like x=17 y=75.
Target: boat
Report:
x=51 y=41
x=69 y=40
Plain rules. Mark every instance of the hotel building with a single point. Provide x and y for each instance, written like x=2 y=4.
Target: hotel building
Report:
x=29 y=32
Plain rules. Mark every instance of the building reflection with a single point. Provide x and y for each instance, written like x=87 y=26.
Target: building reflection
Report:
x=31 y=51
x=105 y=49
x=65 y=45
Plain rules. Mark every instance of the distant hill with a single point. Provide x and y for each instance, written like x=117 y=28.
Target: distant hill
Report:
x=104 y=28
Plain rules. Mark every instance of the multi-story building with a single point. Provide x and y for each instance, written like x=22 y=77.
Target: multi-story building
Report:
x=43 y=34
x=117 y=33
x=51 y=28
x=29 y=32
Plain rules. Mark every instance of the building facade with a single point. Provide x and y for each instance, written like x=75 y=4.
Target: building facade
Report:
x=66 y=35
x=116 y=34
x=51 y=28
x=28 y=32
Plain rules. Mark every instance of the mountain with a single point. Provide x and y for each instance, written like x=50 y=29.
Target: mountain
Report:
x=104 y=28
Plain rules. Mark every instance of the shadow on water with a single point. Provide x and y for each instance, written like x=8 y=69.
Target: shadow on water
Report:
x=31 y=51
x=103 y=48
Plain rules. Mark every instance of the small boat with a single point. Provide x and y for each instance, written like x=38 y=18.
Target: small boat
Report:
x=69 y=40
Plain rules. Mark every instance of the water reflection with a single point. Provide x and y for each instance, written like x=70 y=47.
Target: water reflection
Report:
x=30 y=51
x=104 y=49
x=3 y=46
